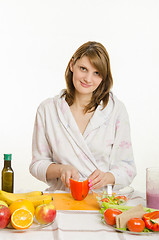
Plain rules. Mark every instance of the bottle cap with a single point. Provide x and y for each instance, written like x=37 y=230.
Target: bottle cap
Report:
x=8 y=157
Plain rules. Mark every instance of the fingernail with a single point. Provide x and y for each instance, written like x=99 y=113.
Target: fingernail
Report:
x=90 y=185
x=89 y=180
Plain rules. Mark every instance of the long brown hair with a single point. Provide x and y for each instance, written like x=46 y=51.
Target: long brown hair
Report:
x=99 y=58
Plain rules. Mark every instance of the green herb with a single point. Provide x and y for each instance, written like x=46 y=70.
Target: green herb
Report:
x=125 y=229
x=122 y=229
x=146 y=230
x=123 y=208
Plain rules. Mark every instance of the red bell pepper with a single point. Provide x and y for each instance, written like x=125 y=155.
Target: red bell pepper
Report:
x=79 y=190
x=152 y=220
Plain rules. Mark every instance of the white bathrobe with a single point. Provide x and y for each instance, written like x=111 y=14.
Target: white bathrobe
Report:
x=105 y=144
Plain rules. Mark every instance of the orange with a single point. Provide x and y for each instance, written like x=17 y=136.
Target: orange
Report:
x=21 y=219
x=22 y=203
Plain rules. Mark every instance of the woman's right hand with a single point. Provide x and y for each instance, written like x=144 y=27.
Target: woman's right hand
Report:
x=67 y=172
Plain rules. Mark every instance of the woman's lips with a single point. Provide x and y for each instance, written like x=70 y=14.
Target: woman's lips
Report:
x=85 y=85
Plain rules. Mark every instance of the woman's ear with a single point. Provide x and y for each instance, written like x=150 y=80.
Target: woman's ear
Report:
x=71 y=64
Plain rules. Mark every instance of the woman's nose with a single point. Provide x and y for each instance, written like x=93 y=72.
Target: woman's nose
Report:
x=88 y=78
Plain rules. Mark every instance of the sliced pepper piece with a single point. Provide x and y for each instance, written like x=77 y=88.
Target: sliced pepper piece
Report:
x=152 y=220
x=120 y=199
x=105 y=200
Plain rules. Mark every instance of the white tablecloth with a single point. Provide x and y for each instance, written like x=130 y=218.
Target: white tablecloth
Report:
x=79 y=225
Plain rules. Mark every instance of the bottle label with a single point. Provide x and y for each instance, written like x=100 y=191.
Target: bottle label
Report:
x=7 y=182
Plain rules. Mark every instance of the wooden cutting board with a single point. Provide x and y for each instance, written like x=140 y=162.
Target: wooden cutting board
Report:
x=65 y=201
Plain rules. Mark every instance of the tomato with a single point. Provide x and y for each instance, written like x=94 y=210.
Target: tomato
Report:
x=110 y=214
x=136 y=225
x=79 y=190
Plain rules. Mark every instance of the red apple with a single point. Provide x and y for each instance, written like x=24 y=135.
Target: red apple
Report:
x=4 y=216
x=45 y=213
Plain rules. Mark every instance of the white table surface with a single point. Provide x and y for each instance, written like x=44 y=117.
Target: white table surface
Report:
x=82 y=225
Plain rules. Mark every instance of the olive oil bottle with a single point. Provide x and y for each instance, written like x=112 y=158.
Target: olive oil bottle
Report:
x=7 y=174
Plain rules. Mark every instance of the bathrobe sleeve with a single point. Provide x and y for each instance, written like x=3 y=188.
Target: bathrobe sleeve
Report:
x=122 y=164
x=41 y=150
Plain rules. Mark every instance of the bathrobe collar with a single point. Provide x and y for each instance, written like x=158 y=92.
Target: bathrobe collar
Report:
x=66 y=118
x=99 y=117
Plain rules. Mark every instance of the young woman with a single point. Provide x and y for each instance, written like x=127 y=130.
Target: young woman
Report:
x=84 y=131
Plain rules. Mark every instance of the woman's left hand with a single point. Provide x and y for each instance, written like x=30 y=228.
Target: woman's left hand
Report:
x=99 y=179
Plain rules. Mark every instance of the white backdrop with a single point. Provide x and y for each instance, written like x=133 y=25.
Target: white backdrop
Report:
x=38 y=38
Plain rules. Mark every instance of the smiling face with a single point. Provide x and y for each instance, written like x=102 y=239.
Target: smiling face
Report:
x=82 y=78
x=86 y=77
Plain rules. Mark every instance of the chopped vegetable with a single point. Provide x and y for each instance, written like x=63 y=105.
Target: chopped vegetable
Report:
x=105 y=200
x=113 y=199
x=106 y=205
x=120 y=200
x=123 y=208
x=152 y=220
